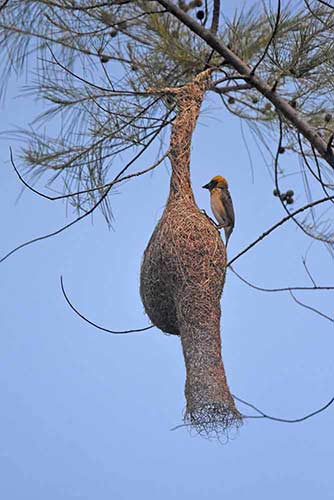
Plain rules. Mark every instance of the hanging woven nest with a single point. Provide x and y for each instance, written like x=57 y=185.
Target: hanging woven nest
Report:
x=183 y=274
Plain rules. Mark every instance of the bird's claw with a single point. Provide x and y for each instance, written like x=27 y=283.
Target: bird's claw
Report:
x=211 y=220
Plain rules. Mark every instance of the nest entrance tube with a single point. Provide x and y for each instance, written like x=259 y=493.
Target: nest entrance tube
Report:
x=182 y=278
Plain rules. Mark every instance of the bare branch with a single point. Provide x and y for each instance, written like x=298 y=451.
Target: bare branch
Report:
x=271 y=39
x=308 y=272
x=278 y=224
x=305 y=230
x=283 y=289
x=310 y=308
x=90 y=211
x=95 y=324
x=262 y=414
x=232 y=88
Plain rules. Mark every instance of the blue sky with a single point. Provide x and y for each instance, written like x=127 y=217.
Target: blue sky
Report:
x=87 y=415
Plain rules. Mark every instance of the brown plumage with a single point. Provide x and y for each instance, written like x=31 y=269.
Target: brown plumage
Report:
x=221 y=204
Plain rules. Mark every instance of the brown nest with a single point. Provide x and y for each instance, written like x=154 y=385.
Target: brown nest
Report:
x=182 y=279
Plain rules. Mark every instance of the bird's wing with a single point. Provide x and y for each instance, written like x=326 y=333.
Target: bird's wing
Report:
x=228 y=205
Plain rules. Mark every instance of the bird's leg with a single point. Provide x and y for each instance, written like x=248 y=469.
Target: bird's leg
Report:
x=220 y=226
x=223 y=224
x=211 y=220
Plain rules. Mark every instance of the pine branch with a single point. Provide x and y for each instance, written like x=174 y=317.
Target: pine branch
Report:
x=281 y=104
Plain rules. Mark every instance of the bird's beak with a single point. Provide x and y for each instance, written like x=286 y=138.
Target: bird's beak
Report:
x=206 y=186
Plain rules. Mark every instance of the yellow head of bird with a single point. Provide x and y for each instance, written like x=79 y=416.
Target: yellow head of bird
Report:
x=216 y=182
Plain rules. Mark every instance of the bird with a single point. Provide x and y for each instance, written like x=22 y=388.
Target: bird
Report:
x=221 y=204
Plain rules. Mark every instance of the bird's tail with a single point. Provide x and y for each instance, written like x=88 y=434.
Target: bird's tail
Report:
x=228 y=231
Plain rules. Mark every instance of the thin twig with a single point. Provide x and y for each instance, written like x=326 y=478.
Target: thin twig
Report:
x=310 y=308
x=277 y=155
x=283 y=289
x=262 y=414
x=215 y=16
x=308 y=271
x=326 y=3
x=95 y=5
x=273 y=34
x=111 y=92
x=4 y=4
x=232 y=88
x=278 y=224
x=285 y=420
x=92 y=322
x=90 y=190
x=90 y=211
x=301 y=226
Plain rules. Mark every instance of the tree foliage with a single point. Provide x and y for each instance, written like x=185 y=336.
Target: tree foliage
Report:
x=99 y=67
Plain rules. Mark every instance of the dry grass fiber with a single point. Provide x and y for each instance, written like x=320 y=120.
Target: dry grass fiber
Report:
x=182 y=279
